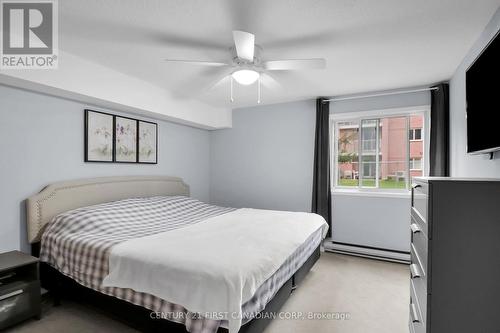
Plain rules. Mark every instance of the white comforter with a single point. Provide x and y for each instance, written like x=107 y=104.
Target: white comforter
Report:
x=213 y=266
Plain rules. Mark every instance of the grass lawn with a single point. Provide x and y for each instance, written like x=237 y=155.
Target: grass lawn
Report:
x=388 y=183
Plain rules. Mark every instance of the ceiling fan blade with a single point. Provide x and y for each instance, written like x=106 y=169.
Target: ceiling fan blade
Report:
x=280 y=65
x=221 y=77
x=245 y=44
x=196 y=62
x=270 y=82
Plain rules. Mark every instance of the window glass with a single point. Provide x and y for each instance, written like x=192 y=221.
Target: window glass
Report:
x=415 y=134
x=347 y=148
x=416 y=164
x=393 y=153
x=416 y=152
x=418 y=134
x=369 y=144
x=379 y=153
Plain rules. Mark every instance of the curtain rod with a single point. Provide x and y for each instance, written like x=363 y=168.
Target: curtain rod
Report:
x=381 y=94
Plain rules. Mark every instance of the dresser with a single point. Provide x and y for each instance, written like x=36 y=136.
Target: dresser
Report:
x=19 y=288
x=455 y=256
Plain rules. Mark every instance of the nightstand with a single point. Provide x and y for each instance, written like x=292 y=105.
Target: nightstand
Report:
x=19 y=288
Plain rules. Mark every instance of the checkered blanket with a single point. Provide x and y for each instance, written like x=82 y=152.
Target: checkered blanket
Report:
x=78 y=244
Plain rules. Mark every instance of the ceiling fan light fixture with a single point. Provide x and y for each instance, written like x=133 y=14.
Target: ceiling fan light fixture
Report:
x=246 y=76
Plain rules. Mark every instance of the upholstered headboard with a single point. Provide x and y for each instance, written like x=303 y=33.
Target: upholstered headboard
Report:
x=63 y=196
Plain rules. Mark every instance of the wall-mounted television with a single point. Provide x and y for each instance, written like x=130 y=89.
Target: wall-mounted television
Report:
x=483 y=100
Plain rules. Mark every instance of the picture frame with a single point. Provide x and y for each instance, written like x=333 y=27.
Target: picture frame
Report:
x=147 y=143
x=111 y=138
x=125 y=141
x=99 y=137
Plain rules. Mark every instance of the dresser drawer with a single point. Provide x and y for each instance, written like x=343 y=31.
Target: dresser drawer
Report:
x=419 y=248
x=419 y=282
x=416 y=327
x=419 y=199
x=417 y=317
x=420 y=224
x=414 y=259
x=19 y=301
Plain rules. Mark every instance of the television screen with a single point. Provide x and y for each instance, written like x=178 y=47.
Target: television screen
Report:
x=483 y=100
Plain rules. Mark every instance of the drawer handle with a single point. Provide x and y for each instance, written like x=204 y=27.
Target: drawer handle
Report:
x=7 y=276
x=415 y=273
x=11 y=294
x=414 y=316
x=415 y=228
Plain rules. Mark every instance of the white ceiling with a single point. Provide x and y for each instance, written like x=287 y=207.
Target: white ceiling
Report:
x=369 y=45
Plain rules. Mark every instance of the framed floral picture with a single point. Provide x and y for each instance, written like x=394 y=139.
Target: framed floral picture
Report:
x=148 y=142
x=98 y=136
x=112 y=138
x=125 y=140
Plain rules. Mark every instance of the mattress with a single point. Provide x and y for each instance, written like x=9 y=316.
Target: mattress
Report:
x=78 y=244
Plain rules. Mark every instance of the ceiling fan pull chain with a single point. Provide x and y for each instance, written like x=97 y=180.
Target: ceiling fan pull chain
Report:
x=258 y=90
x=231 y=85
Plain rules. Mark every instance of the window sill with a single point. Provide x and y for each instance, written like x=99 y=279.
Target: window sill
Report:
x=371 y=193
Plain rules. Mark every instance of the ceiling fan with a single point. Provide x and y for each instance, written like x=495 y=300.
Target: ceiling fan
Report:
x=247 y=65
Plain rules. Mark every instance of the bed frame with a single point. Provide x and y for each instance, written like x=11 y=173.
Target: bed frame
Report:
x=60 y=197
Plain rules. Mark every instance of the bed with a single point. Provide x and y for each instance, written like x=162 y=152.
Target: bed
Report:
x=91 y=230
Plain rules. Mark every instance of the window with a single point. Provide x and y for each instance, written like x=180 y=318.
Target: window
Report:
x=347 y=147
x=377 y=152
x=415 y=134
x=415 y=164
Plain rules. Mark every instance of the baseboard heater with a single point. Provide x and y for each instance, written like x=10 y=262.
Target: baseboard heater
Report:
x=367 y=252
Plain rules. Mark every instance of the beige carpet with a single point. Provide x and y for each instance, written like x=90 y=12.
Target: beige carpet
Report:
x=372 y=296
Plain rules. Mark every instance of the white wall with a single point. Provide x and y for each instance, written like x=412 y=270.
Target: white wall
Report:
x=382 y=102
x=42 y=140
x=266 y=159
x=462 y=164
x=91 y=83
x=373 y=221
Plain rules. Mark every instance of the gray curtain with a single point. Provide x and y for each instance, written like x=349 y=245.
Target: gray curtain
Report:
x=321 y=198
x=439 y=153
